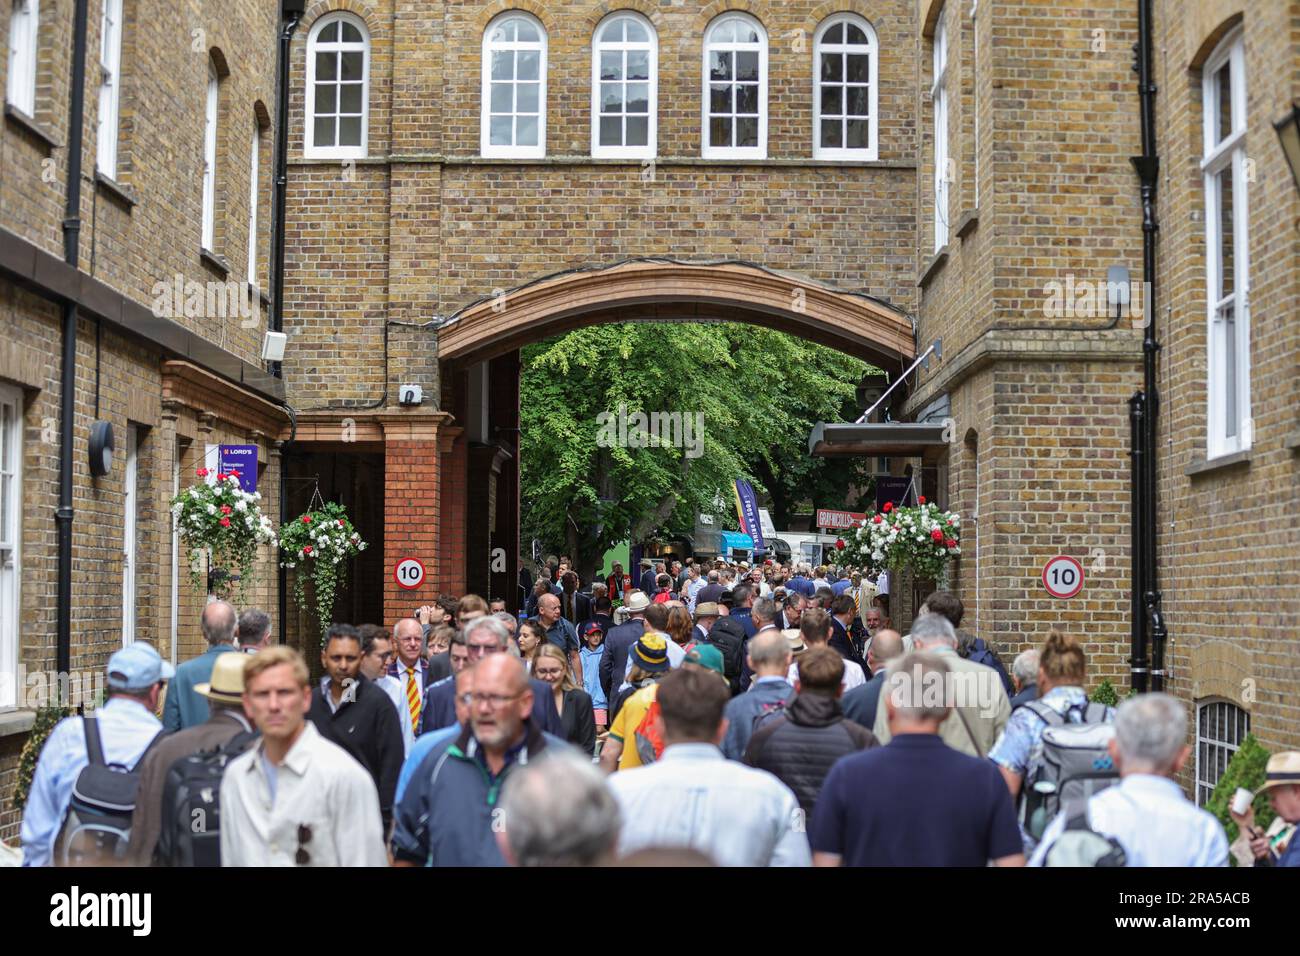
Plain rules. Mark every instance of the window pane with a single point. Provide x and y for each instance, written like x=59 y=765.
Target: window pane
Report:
x=638 y=65
x=529 y=65
x=835 y=34
x=859 y=68
x=719 y=131
x=353 y=65
x=720 y=65
x=859 y=134
x=611 y=97
x=747 y=99
x=638 y=131
x=526 y=97
x=503 y=65
x=611 y=65
x=719 y=98
x=350 y=98
x=1228 y=316
x=6 y=483
x=832 y=66
x=611 y=131
x=324 y=132
x=350 y=33
x=747 y=131
x=500 y=33
x=499 y=128
x=527 y=32
x=612 y=32
x=350 y=131
x=331 y=33
x=526 y=127
x=724 y=32
x=856 y=34
x=831 y=134
x=502 y=100
x=747 y=65
x=832 y=100
x=1226 y=248
x=858 y=101
x=636 y=32
x=326 y=98
x=638 y=98
x=327 y=66
x=1223 y=82
x=745 y=33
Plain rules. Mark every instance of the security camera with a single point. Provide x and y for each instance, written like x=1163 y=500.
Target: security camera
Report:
x=410 y=395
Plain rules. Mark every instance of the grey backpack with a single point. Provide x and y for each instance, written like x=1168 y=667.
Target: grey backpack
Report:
x=1080 y=845
x=1075 y=763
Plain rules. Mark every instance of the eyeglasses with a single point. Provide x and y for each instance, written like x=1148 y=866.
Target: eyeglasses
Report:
x=481 y=649
x=495 y=701
x=302 y=857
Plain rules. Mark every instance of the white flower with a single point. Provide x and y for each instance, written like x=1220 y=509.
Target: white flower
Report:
x=241 y=505
x=212 y=509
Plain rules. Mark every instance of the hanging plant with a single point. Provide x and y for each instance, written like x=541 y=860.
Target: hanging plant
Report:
x=315 y=545
x=923 y=539
x=225 y=523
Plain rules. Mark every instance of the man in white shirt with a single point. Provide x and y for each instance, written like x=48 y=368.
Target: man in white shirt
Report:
x=692 y=796
x=295 y=799
x=815 y=628
x=1147 y=812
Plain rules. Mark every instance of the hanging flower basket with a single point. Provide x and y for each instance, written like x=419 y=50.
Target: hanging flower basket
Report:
x=225 y=523
x=315 y=545
x=922 y=539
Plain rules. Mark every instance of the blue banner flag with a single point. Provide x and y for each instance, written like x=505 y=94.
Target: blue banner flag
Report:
x=747 y=512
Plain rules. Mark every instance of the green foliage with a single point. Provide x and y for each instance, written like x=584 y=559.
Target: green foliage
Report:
x=47 y=718
x=226 y=523
x=1245 y=769
x=1105 y=693
x=320 y=541
x=758 y=391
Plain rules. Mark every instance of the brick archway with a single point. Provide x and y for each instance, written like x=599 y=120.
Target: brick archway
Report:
x=666 y=291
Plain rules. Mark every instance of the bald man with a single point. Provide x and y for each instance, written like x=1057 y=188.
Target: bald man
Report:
x=769 y=659
x=860 y=704
x=446 y=817
x=560 y=632
x=183 y=707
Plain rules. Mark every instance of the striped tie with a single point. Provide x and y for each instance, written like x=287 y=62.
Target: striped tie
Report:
x=413 y=696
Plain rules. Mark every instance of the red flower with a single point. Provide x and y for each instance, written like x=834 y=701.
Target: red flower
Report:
x=949 y=543
x=221 y=476
x=889 y=506
x=201 y=473
x=936 y=535
x=306 y=519
x=306 y=549
x=340 y=522
x=876 y=519
x=225 y=522
x=225 y=509
x=839 y=544
x=921 y=500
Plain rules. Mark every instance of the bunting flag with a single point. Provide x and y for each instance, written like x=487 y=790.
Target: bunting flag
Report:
x=747 y=512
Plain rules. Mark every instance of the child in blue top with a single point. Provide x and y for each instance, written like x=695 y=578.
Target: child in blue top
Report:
x=593 y=646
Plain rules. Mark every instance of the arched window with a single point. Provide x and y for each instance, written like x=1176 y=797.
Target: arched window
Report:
x=845 y=65
x=338 y=88
x=1224 y=167
x=1220 y=729
x=624 y=98
x=514 y=87
x=20 y=82
x=735 y=88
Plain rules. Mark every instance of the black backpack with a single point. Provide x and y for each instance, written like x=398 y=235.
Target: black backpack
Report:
x=728 y=637
x=191 y=805
x=97 y=825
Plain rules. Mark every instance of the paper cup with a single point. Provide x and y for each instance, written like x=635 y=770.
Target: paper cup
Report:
x=1241 y=800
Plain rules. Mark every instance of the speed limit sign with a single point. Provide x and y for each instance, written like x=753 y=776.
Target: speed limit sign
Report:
x=409 y=573
x=1063 y=576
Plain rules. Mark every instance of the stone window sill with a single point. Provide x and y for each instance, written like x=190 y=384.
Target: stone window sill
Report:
x=968 y=222
x=116 y=191
x=1293 y=441
x=932 y=267
x=1239 y=459
x=31 y=127
x=16 y=722
x=216 y=263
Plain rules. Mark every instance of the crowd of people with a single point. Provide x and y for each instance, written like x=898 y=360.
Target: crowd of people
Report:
x=703 y=715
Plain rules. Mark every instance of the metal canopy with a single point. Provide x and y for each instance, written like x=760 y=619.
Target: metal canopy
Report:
x=924 y=440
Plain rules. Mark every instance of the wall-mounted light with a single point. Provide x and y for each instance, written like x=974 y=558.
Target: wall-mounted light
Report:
x=273 y=346
x=101 y=448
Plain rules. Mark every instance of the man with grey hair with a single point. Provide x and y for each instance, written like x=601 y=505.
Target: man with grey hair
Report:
x=184 y=707
x=768 y=659
x=1024 y=671
x=509 y=620
x=861 y=704
x=1146 y=813
x=973 y=691
x=254 y=631
x=956 y=812
x=558 y=812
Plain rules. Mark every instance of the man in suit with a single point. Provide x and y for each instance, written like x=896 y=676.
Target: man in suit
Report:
x=183 y=706
x=742 y=604
x=619 y=641
x=410 y=667
x=649 y=576
x=575 y=607
x=841 y=623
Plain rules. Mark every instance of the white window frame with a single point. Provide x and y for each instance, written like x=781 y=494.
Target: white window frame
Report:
x=939 y=102
x=1206 y=769
x=24 y=35
x=210 y=117
x=872 y=50
x=310 y=149
x=130 y=539
x=1228 y=153
x=975 y=93
x=503 y=150
x=709 y=151
x=11 y=568
x=599 y=46
x=253 y=171
x=110 y=88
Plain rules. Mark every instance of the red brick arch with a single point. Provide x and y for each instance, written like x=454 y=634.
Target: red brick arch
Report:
x=664 y=291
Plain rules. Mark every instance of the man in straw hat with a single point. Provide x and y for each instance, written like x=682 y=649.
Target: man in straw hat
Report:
x=1282 y=782
x=225 y=696
x=619 y=641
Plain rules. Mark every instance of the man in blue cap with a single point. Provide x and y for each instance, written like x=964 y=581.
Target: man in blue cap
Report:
x=127 y=726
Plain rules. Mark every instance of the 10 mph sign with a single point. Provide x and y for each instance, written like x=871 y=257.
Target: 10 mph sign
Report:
x=409 y=573
x=1063 y=577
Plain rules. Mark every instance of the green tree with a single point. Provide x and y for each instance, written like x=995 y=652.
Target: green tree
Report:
x=756 y=391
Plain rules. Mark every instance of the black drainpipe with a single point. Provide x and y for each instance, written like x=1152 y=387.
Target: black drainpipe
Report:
x=1145 y=406
x=291 y=12
x=68 y=366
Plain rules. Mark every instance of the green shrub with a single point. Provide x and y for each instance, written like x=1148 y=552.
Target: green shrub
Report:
x=1105 y=694
x=1245 y=769
x=46 y=719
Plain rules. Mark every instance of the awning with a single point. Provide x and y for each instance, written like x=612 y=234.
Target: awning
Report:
x=736 y=541
x=927 y=440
